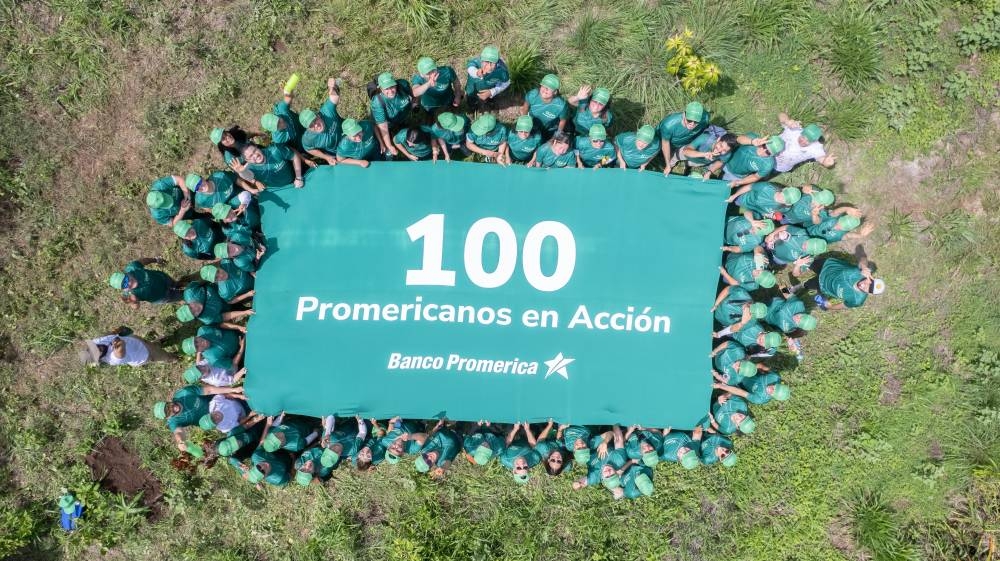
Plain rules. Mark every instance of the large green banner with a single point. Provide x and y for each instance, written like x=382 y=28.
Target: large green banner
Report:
x=479 y=291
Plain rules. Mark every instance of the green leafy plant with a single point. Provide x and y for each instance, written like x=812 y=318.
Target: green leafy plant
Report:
x=981 y=35
x=693 y=72
x=848 y=118
x=901 y=225
x=766 y=23
x=896 y=104
x=852 y=46
x=875 y=528
x=421 y=15
x=951 y=232
x=959 y=86
x=525 y=66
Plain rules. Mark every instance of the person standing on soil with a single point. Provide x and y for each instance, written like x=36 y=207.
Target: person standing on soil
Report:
x=169 y=200
x=322 y=130
x=437 y=87
x=802 y=144
x=677 y=130
x=122 y=347
x=139 y=284
x=487 y=77
x=548 y=109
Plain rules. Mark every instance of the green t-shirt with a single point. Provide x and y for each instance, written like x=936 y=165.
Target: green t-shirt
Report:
x=708 y=446
x=590 y=156
x=672 y=129
x=246 y=259
x=238 y=281
x=442 y=93
x=519 y=449
x=546 y=114
x=224 y=183
x=584 y=119
x=730 y=310
x=725 y=362
x=615 y=458
x=478 y=438
x=673 y=441
x=392 y=110
x=407 y=427
x=421 y=150
x=246 y=223
x=498 y=76
x=838 y=279
x=451 y=138
x=314 y=454
x=206 y=235
x=446 y=443
x=223 y=345
x=244 y=437
x=279 y=462
x=166 y=185
x=801 y=212
x=153 y=286
x=739 y=232
x=780 y=313
x=521 y=149
x=628 y=480
x=325 y=141
x=276 y=170
x=633 y=156
x=292 y=131
x=741 y=266
x=549 y=446
x=491 y=140
x=791 y=249
x=296 y=433
x=193 y=407
x=722 y=412
x=704 y=143
x=546 y=158
x=632 y=446
x=747 y=336
x=757 y=387
x=827 y=229
x=366 y=149
x=573 y=433
x=745 y=161
x=206 y=294
x=760 y=199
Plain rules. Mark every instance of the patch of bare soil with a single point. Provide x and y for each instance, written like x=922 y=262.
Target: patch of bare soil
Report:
x=119 y=470
x=892 y=390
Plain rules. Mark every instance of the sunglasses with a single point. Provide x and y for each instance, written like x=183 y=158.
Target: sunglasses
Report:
x=126 y=281
x=555 y=460
x=767 y=151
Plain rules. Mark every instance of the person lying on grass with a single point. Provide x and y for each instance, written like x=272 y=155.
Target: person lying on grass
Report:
x=520 y=454
x=438 y=452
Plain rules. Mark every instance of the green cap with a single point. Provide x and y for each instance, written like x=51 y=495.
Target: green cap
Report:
x=206 y=422
x=775 y=145
x=160 y=410
x=221 y=250
x=116 y=279
x=772 y=339
x=758 y=310
x=192 y=374
x=807 y=322
x=730 y=460
x=482 y=455
x=824 y=197
x=269 y=122
x=650 y=458
x=195 y=450
x=329 y=458
x=426 y=65
x=67 y=503
x=255 y=476
x=386 y=81
x=848 y=222
x=524 y=123
x=694 y=111
x=690 y=460
x=581 y=456
x=182 y=228
x=350 y=127
x=766 y=279
x=767 y=228
x=303 y=478
x=484 y=124
x=612 y=482
x=271 y=442
x=812 y=132
x=598 y=132
x=208 y=273
x=791 y=195
x=422 y=465
x=816 y=246
x=228 y=446
x=747 y=368
x=781 y=392
x=391 y=458
x=644 y=484
x=306 y=117
x=184 y=313
x=216 y=135
x=157 y=199
x=490 y=54
x=521 y=478
x=450 y=121
x=187 y=345
x=748 y=426
x=220 y=211
x=601 y=95
x=551 y=81
x=192 y=181
x=646 y=133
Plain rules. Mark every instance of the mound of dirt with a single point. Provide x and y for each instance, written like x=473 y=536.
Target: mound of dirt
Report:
x=119 y=470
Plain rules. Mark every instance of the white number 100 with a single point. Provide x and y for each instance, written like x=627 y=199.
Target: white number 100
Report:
x=431 y=229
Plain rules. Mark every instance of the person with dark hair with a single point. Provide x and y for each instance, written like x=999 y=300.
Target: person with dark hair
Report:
x=548 y=109
x=322 y=130
x=594 y=151
x=439 y=450
x=415 y=144
x=139 y=284
x=637 y=149
x=556 y=153
x=591 y=108
x=753 y=161
x=270 y=166
x=520 y=455
x=403 y=437
x=449 y=131
x=840 y=284
x=554 y=457
x=230 y=142
x=710 y=150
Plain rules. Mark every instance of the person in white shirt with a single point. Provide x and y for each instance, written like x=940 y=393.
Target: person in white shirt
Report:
x=802 y=144
x=225 y=412
x=122 y=347
x=212 y=375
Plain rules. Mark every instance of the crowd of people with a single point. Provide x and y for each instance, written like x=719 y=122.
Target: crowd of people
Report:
x=772 y=228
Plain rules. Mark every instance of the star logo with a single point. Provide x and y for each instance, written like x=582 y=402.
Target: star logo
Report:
x=558 y=366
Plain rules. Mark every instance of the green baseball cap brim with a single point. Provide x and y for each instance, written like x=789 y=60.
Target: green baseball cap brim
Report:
x=730 y=460
x=192 y=374
x=748 y=426
x=255 y=476
x=303 y=478
x=206 y=422
x=193 y=181
x=482 y=455
x=184 y=313
x=391 y=458
x=524 y=124
x=490 y=54
x=306 y=117
x=690 y=460
x=650 y=458
x=182 y=228
x=269 y=122
x=551 y=81
x=216 y=135
x=582 y=455
x=601 y=95
x=116 y=279
x=208 y=273
x=612 y=482
x=350 y=127
x=694 y=111
x=220 y=211
x=775 y=144
x=597 y=132
x=157 y=199
x=812 y=132
x=160 y=410
x=421 y=464
x=644 y=484
x=386 y=81
x=271 y=443
x=426 y=65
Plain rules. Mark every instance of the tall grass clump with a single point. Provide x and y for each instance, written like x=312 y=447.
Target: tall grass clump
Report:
x=593 y=35
x=525 y=65
x=850 y=42
x=716 y=30
x=765 y=24
x=875 y=528
x=848 y=118
x=420 y=15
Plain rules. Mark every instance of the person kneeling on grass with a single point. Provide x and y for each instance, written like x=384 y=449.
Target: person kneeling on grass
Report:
x=523 y=141
x=789 y=315
x=679 y=448
x=487 y=77
x=734 y=308
x=218 y=187
x=225 y=412
x=222 y=348
x=437 y=87
x=488 y=138
x=711 y=150
x=358 y=145
x=169 y=200
x=731 y=363
x=483 y=444
x=309 y=469
x=637 y=149
x=322 y=130
x=415 y=144
x=556 y=153
x=594 y=151
x=551 y=452
x=122 y=347
x=802 y=144
x=744 y=233
x=187 y=406
x=748 y=270
x=404 y=437
x=449 y=132
x=520 y=455
x=233 y=283
x=439 y=450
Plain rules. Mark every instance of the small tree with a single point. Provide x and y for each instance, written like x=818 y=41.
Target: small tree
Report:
x=693 y=72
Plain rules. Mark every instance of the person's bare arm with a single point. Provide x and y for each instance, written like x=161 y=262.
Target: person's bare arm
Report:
x=746 y=181
x=545 y=432
x=719 y=348
x=788 y=122
x=527 y=433
x=616 y=430
x=582 y=93
x=512 y=433
x=323 y=156
x=353 y=161
x=722 y=296
x=727 y=277
x=242 y=297
x=738 y=192
x=481 y=151
x=400 y=147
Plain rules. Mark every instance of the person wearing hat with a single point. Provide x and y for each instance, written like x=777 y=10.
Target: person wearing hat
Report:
x=204 y=373
x=308 y=468
x=198 y=237
x=714 y=449
x=802 y=144
x=439 y=450
x=390 y=108
x=744 y=233
x=643 y=445
x=243 y=250
x=678 y=447
x=449 y=131
x=283 y=123
x=122 y=347
x=607 y=465
x=203 y=303
x=139 y=284
x=437 y=87
x=402 y=438
x=789 y=315
x=576 y=439
x=840 y=280
x=834 y=228
x=731 y=413
x=359 y=145
x=225 y=412
x=520 y=455
x=240 y=442
x=748 y=270
x=240 y=216
x=230 y=142
x=710 y=150
x=274 y=166
x=759 y=389
x=218 y=187
x=754 y=338
x=551 y=453
x=217 y=347
x=735 y=307
x=548 y=109
x=637 y=149
x=345 y=442
x=811 y=207
x=591 y=108
x=488 y=138
x=483 y=444
x=753 y=161
x=416 y=144
x=488 y=77
x=637 y=481
x=523 y=141
x=185 y=408
x=731 y=363
x=234 y=284
x=677 y=130
x=169 y=200
x=322 y=130
x=293 y=434
x=791 y=245
x=765 y=199
x=556 y=153
x=273 y=468
x=594 y=151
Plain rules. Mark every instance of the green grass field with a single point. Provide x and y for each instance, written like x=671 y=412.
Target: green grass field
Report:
x=888 y=450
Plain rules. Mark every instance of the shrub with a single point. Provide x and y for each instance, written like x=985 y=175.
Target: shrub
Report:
x=852 y=46
x=692 y=71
